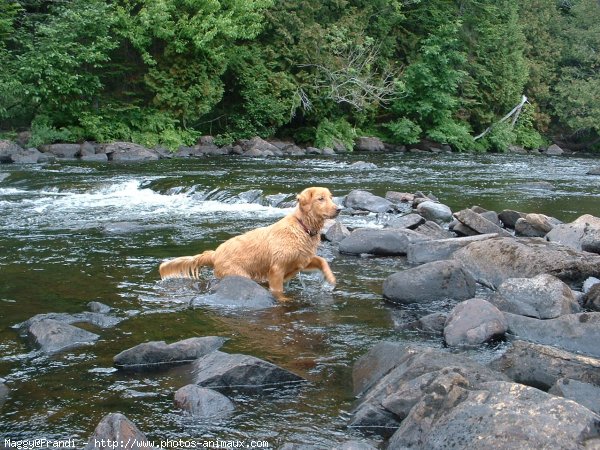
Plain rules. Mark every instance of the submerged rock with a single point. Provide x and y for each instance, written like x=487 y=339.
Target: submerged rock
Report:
x=236 y=292
x=541 y=366
x=431 y=281
x=474 y=322
x=52 y=336
x=234 y=371
x=543 y=297
x=118 y=430
x=94 y=318
x=203 y=403
x=158 y=354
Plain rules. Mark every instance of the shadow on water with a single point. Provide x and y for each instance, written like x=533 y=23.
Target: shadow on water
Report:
x=74 y=233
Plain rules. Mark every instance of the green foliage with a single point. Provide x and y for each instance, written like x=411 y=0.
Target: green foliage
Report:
x=328 y=132
x=500 y=137
x=526 y=134
x=43 y=132
x=458 y=135
x=404 y=131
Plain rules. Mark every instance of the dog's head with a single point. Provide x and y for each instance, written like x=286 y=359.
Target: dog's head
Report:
x=317 y=202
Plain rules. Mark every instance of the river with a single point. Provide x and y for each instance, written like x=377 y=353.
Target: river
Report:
x=71 y=233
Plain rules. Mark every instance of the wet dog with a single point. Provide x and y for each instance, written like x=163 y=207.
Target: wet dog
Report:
x=271 y=254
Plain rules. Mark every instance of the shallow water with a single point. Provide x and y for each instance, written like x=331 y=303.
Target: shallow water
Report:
x=63 y=244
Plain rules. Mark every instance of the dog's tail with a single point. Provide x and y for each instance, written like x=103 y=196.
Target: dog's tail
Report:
x=186 y=266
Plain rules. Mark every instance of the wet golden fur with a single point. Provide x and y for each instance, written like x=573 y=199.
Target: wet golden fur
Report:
x=271 y=254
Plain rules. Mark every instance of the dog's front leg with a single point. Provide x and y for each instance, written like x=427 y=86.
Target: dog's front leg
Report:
x=320 y=264
x=276 y=277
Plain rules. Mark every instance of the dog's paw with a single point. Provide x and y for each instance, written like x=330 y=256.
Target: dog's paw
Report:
x=328 y=286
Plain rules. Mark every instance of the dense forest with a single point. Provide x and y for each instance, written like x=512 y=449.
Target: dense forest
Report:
x=164 y=72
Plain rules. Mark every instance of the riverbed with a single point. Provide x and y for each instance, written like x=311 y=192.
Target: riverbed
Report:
x=72 y=232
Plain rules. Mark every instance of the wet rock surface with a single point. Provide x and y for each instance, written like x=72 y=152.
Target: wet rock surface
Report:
x=236 y=292
x=52 y=336
x=203 y=403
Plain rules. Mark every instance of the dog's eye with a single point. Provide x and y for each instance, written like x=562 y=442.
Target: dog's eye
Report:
x=321 y=199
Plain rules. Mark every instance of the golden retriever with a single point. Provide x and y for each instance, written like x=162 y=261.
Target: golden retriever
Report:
x=271 y=254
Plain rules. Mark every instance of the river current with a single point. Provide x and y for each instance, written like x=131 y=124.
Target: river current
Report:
x=71 y=233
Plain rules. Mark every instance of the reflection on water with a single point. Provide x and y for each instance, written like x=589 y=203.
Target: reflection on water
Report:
x=73 y=233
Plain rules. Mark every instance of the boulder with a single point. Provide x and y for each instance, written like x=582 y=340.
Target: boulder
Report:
x=474 y=322
x=431 y=281
x=437 y=212
x=120 y=432
x=591 y=300
x=98 y=157
x=29 y=156
x=7 y=150
x=369 y=144
x=397 y=383
x=387 y=242
x=276 y=200
x=52 y=336
x=86 y=149
x=399 y=197
x=581 y=234
x=362 y=165
x=337 y=232
x=128 y=152
x=462 y=230
x=410 y=221
x=203 y=403
x=479 y=223
x=509 y=217
x=573 y=332
x=420 y=252
x=594 y=171
x=585 y=394
x=498 y=415
x=541 y=366
x=294 y=150
x=158 y=354
x=236 y=292
x=433 y=230
x=234 y=371
x=258 y=145
x=492 y=261
x=554 y=150
x=433 y=323
x=367 y=201
x=543 y=297
x=62 y=151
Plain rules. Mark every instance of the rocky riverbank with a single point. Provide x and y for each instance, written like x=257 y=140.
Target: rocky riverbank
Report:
x=13 y=152
x=513 y=276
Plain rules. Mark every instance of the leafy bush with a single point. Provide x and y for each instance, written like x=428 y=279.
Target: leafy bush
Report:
x=328 y=132
x=526 y=135
x=499 y=138
x=404 y=131
x=43 y=132
x=456 y=134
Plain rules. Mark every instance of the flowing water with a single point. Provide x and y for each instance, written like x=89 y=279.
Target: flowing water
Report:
x=71 y=233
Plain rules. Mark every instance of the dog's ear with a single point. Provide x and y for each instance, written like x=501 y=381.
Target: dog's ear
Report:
x=305 y=199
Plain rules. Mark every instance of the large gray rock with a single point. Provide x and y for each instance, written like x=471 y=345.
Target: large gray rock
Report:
x=158 y=354
x=410 y=221
x=591 y=300
x=233 y=371
x=541 y=366
x=260 y=147
x=236 y=292
x=434 y=230
x=581 y=234
x=509 y=217
x=366 y=201
x=431 y=281
x=337 y=232
x=203 y=403
x=369 y=144
x=496 y=415
x=387 y=242
x=437 y=212
x=398 y=383
x=479 y=223
x=554 y=150
x=535 y=225
x=474 y=322
x=543 y=297
x=29 y=156
x=494 y=260
x=420 y=252
x=52 y=336
x=128 y=152
x=7 y=150
x=62 y=151
x=120 y=432
x=574 y=332
x=585 y=394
